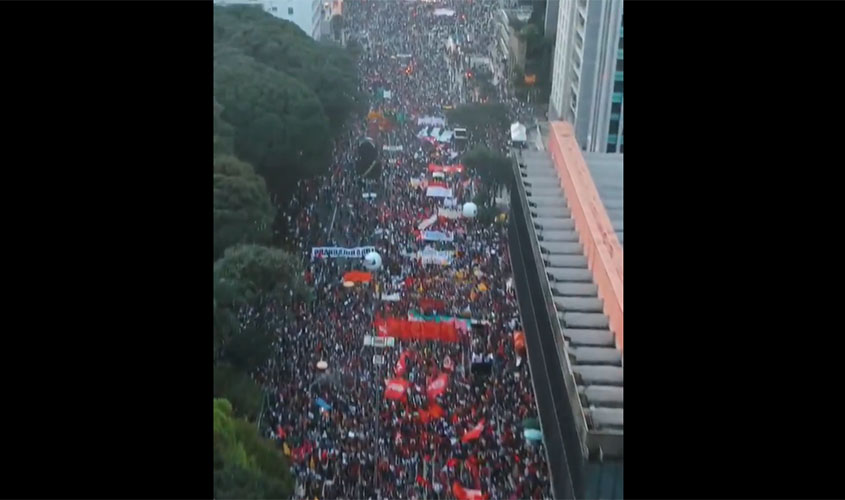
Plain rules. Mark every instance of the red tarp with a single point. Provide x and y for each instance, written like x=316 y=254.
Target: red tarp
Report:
x=437 y=386
x=358 y=277
x=404 y=329
x=396 y=389
x=446 y=169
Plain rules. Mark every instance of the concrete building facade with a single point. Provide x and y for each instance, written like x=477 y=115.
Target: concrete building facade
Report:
x=587 y=73
x=307 y=14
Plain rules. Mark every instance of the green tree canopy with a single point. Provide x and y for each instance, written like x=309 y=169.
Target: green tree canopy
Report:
x=280 y=126
x=242 y=209
x=245 y=464
x=250 y=273
x=224 y=133
x=337 y=26
x=478 y=116
x=492 y=167
x=328 y=70
x=238 y=387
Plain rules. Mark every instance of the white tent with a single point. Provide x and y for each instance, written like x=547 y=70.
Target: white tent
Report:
x=444 y=12
x=518 y=133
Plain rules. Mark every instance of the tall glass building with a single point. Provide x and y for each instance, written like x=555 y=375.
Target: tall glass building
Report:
x=587 y=74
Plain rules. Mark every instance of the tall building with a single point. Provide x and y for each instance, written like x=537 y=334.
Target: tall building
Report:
x=307 y=14
x=587 y=76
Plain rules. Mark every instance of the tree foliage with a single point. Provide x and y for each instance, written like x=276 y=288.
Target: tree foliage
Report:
x=239 y=389
x=492 y=167
x=248 y=274
x=242 y=209
x=251 y=276
x=245 y=464
x=478 y=116
x=337 y=26
x=326 y=69
x=280 y=126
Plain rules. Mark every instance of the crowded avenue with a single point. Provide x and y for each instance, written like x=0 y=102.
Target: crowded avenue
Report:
x=406 y=376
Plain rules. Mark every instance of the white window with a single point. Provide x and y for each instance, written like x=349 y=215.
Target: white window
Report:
x=290 y=11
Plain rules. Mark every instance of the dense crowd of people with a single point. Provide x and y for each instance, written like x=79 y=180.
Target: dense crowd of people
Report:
x=344 y=437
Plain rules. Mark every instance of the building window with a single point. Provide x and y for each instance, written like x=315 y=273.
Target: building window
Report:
x=290 y=11
x=611 y=138
x=611 y=148
x=274 y=9
x=616 y=97
x=619 y=65
x=618 y=76
x=615 y=108
x=614 y=127
x=617 y=86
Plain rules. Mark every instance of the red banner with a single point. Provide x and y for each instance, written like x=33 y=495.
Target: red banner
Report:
x=435 y=410
x=432 y=305
x=446 y=169
x=407 y=330
x=437 y=386
x=358 y=277
x=396 y=389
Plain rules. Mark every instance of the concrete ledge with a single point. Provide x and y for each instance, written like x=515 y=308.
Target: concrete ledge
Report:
x=601 y=245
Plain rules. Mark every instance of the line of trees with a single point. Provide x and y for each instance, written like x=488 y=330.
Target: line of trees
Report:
x=280 y=98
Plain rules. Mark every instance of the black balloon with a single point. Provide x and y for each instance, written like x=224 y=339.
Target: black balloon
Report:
x=366 y=165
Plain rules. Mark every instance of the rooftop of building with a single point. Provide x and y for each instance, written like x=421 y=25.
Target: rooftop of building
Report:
x=574 y=200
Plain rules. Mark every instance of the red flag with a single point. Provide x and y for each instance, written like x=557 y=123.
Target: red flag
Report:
x=473 y=433
x=396 y=389
x=400 y=365
x=435 y=410
x=381 y=327
x=437 y=386
x=424 y=416
x=452 y=462
x=462 y=493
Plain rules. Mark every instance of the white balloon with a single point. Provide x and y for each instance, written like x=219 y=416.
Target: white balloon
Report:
x=372 y=261
x=470 y=210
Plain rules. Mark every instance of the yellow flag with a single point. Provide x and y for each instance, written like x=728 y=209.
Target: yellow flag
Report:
x=287 y=449
x=482 y=287
x=312 y=464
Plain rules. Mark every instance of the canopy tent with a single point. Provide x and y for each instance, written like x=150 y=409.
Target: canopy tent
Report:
x=444 y=12
x=518 y=132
